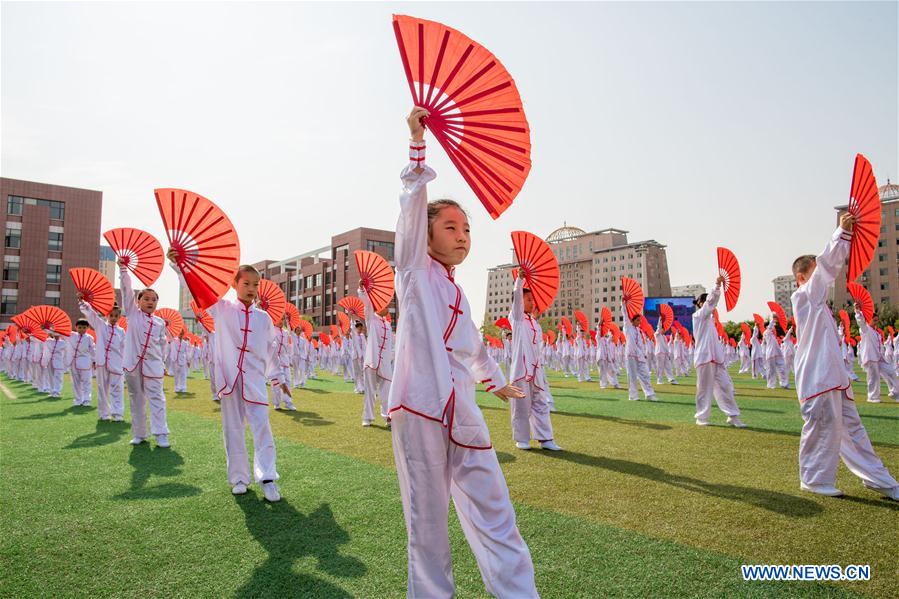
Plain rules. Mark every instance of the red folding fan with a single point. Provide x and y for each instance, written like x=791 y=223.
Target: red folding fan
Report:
x=335 y=331
x=566 y=324
x=729 y=268
x=666 y=313
x=474 y=108
x=353 y=305
x=779 y=312
x=605 y=315
x=864 y=204
x=271 y=299
x=29 y=328
x=203 y=317
x=123 y=323
x=863 y=299
x=759 y=321
x=208 y=251
x=95 y=289
x=12 y=331
x=632 y=294
x=891 y=331
x=747 y=332
x=504 y=323
x=647 y=329
x=173 y=321
x=325 y=338
x=552 y=335
x=541 y=269
x=376 y=278
x=344 y=321
x=139 y=251
x=51 y=318
x=293 y=316
x=582 y=320
x=844 y=318
x=306 y=326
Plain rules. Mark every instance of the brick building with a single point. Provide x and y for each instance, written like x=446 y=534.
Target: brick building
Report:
x=49 y=229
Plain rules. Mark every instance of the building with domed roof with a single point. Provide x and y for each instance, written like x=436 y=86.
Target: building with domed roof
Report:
x=881 y=278
x=591 y=266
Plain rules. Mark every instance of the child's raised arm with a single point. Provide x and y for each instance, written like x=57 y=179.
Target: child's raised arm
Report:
x=412 y=226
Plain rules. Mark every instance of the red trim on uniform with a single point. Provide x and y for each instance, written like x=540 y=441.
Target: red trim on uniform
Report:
x=837 y=388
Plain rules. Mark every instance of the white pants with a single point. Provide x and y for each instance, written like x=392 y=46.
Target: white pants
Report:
x=430 y=469
x=278 y=396
x=142 y=389
x=181 y=378
x=663 y=369
x=299 y=374
x=375 y=387
x=110 y=395
x=530 y=415
x=358 y=376
x=607 y=374
x=833 y=430
x=713 y=380
x=81 y=386
x=744 y=363
x=877 y=371
x=777 y=370
x=638 y=376
x=758 y=368
x=56 y=378
x=236 y=414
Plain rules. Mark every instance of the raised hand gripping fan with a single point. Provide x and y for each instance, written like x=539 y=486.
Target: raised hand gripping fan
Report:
x=173 y=321
x=344 y=321
x=582 y=320
x=666 y=313
x=95 y=289
x=759 y=321
x=781 y=315
x=863 y=299
x=51 y=318
x=293 y=316
x=139 y=251
x=475 y=112
x=566 y=324
x=864 y=204
x=729 y=268
x=353 y=305
x=632 y=294
x=376 y=278
x=207 y=247
x=541 y=269
x=504 y=323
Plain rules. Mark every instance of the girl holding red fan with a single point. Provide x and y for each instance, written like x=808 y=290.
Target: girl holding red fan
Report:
x=832 y=428
x=244 y=360
x=281 y=352
x=712 y=377
x=637 y=368
x=378 y=362
x=81 y=350
x=108 y=358
x=871 y=357
x=530 y=414
x=143 y=364
x=440 y=439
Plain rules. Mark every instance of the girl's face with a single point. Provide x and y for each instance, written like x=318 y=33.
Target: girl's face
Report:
x=113 y=317
x=147 y=302
x=449 y=239
x=246 y=287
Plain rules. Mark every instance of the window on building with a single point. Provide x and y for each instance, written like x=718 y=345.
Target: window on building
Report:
x=387 y=246
x=14 y=205
x=9 y=305
x=54 y=241
x=54 y=273
x=13 y=238
x=10 y=270
x=881 y=257
x=57 y=209
x=51 y=301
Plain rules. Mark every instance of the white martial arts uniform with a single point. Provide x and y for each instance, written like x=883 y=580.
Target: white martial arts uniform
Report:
x=712 y=378
x=280 y=350
x=108 y=355
x=378 y=361
x=872 y=360
x=143 y=365
x=637 y=368
x=179 y=358
x=530 y=414
x=832 y=428
x=56 y=350
x=81 y=359
x=440 y=439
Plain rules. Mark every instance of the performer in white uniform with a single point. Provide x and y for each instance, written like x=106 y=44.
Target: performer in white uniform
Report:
x=378 y=361
x=637 y=368
x=108 y=358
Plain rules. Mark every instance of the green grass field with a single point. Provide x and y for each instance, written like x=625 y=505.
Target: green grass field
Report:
x=642 y=503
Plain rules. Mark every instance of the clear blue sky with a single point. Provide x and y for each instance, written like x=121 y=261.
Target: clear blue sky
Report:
x=695 y=124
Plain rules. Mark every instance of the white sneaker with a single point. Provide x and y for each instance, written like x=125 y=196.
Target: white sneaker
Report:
x=874 y=400
x=366 y=423
x=118 y=418
x=634 y=398
x=277 y=406
x=523 y=445
x=888 y=493
x=137 y=441
x=550 y=445
x=673 y=383
x=292 y=408
x=735 y=421
x=271 y=492
x=162 y=441
x=239 y=489
x=652 y=398
x=828 y=490
x=702 y=422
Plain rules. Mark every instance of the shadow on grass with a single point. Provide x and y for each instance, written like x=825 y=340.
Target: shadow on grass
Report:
x=587 y=398
x=307 y=418
x=780 y=503
x=882 y=502
x=66 y=412
x=654 y=426
x=505 y=458
x=692 y=405
x=184 y=394
x=148 y=462
x=106 y=433
x=287 y=535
